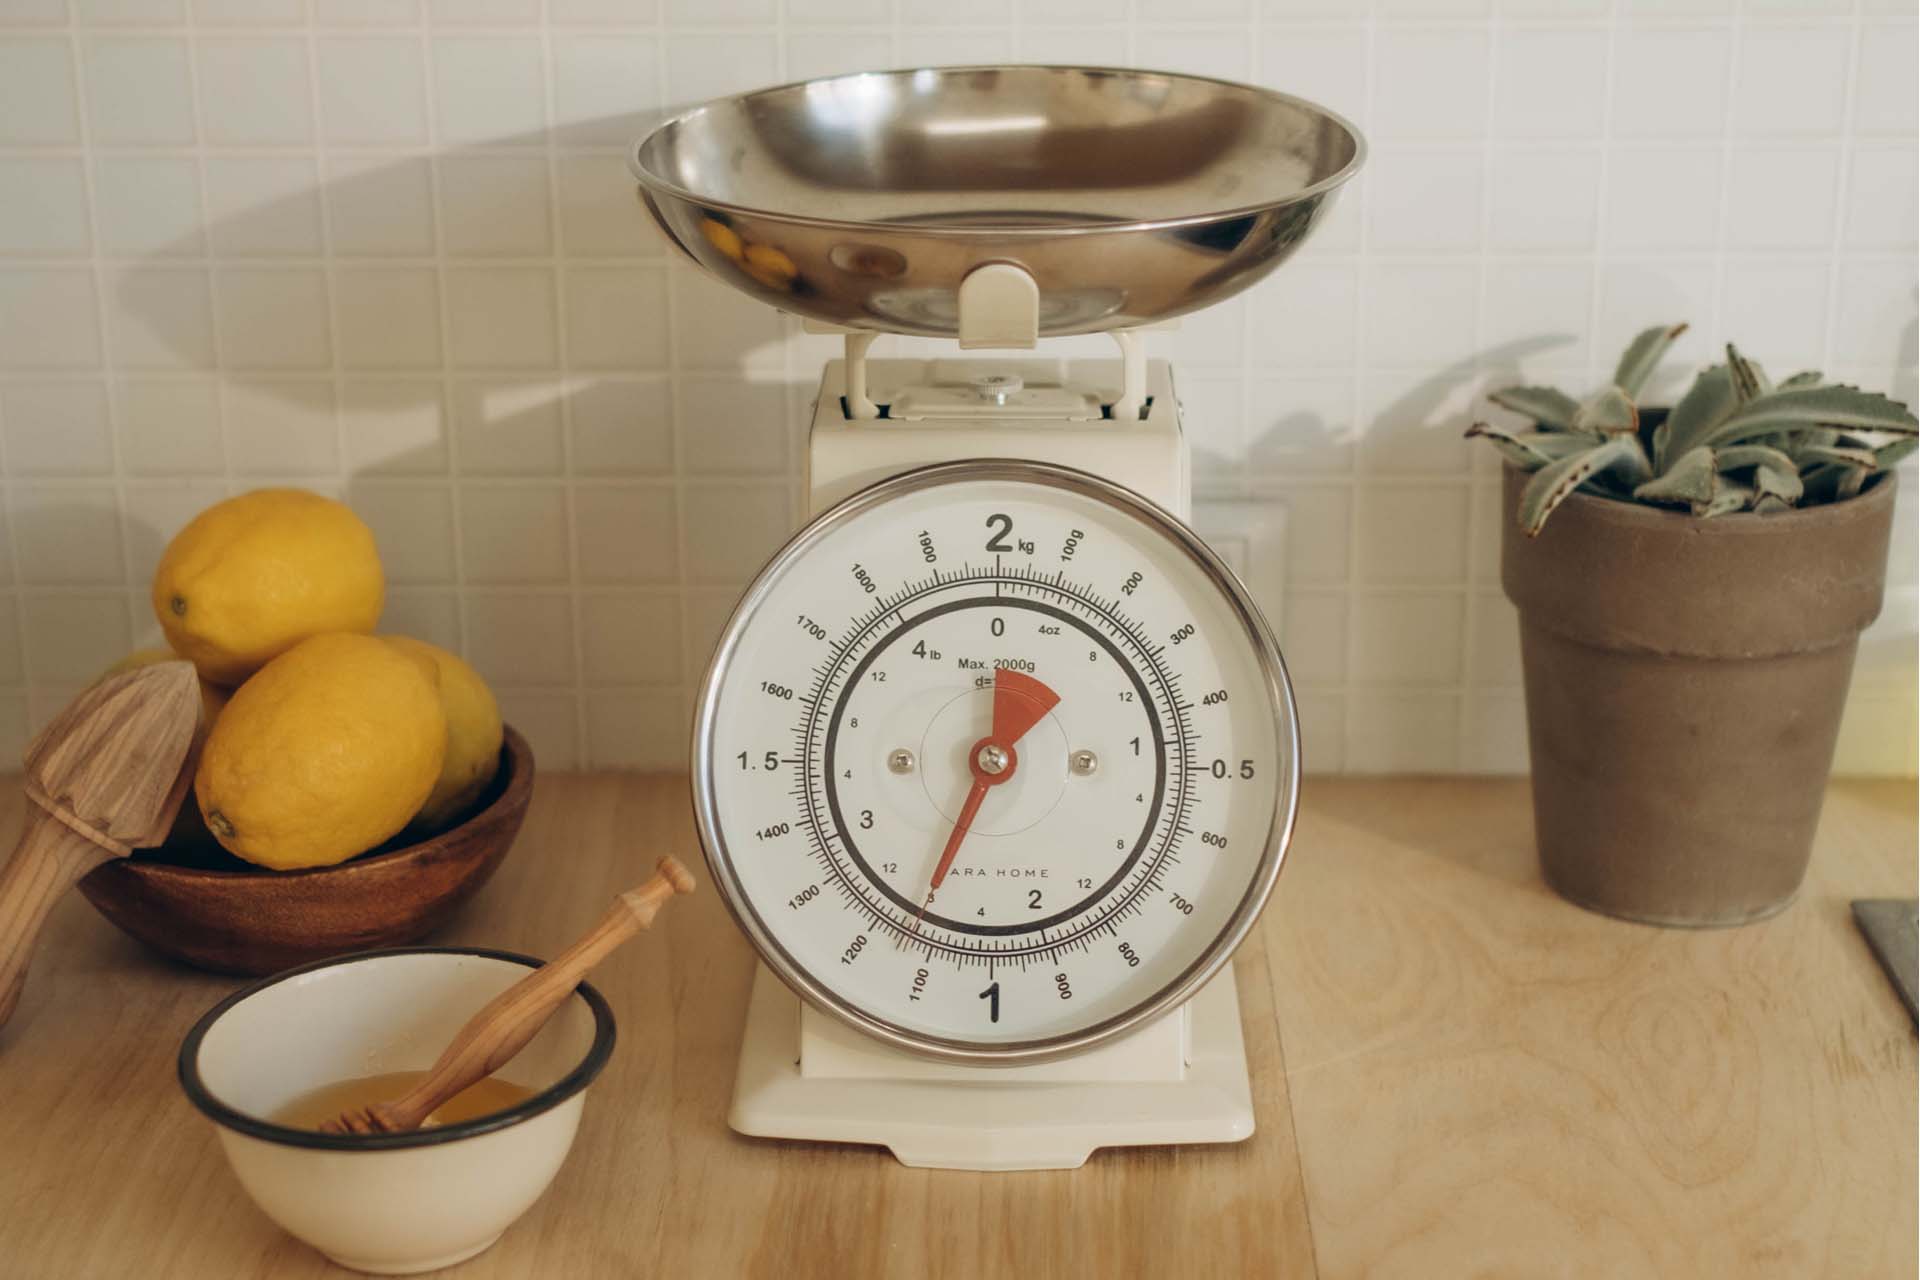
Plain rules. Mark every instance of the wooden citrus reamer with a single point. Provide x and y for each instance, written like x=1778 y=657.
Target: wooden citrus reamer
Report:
x=106 y=776
x=491 y=1038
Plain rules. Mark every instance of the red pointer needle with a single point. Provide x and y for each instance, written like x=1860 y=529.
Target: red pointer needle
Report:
x=1019 y=703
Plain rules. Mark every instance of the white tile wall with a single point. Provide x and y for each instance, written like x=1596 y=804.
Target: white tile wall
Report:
x=388 y=249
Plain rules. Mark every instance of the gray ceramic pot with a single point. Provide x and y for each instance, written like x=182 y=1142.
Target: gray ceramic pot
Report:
x=1685 y=680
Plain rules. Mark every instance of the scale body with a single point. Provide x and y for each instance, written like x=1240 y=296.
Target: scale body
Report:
x=957 y=419
x=802 y=1074
x=817 y=205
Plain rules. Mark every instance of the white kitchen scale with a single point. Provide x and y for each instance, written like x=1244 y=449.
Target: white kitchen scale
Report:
x=996 y=762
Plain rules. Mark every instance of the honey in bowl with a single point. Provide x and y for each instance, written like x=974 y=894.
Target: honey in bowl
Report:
x=317 y=1106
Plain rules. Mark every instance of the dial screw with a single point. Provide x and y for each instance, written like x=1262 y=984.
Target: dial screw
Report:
x=1083 y=763
x=900 y=760
x=993 y=759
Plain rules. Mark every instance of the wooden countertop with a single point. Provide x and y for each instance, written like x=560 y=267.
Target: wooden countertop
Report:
x=1455 y=1073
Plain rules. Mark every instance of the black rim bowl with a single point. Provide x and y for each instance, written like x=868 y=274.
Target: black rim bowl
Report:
x=253 y=1126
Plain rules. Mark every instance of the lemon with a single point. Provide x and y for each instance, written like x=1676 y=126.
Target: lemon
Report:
x=473 y=734
x=722 y=237
x=770 y=267
x=250 y=577
x=327 y=751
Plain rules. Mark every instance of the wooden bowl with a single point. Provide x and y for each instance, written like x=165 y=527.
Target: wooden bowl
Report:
x=217 y=912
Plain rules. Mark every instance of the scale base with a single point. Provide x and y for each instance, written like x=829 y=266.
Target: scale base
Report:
x=991 y=1121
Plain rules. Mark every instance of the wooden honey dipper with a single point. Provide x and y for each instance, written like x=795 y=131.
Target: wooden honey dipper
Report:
x=491 y=1038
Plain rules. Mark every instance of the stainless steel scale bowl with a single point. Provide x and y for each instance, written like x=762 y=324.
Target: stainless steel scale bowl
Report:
x=864 y=200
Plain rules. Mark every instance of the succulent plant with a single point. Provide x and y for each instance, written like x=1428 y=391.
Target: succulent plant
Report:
x=1733 y=442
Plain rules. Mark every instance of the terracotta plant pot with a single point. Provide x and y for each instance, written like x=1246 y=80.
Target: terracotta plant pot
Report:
x=1685 y=680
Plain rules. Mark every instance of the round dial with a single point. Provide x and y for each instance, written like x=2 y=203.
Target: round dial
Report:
x=996 y=760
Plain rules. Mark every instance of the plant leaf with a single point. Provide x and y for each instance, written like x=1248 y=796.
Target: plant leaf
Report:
x=1829 y=406
x=1811 y=438
x=1709 y=400
x=1754 y=455
x=1749 y=379
x=1822 y=484
x=1642 y=356
x=1548 y=406
x=1689 y=481
x=1806 y=378
x=1633 y=468
x=1554 y=483
x=1529 y=449
x=1770 y=481
x=1607 y=412
x=1889 y=456
x=1844 y=455
x=1730 y=496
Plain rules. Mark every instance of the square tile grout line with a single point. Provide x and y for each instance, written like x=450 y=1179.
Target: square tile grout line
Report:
x=689 y=675
x=449 y=430
x=218 y=339
x=1849 y=106
x=329 y=268
x=1735 y=55
x=108 y=345
x=557 y=245
x=1362 y=272
x=1462 y=712
x=115 y=416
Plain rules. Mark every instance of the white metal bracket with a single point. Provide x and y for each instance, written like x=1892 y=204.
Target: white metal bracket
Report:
x=999 y=307
x=1133 y=375
x=859 y=403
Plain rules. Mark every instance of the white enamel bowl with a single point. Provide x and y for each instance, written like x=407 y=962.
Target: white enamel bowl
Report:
x=399 y=1203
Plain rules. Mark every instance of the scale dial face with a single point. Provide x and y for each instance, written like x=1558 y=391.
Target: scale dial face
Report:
x=996 y=761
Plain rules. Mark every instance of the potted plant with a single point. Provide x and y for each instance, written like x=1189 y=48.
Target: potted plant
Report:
x=1692 y=583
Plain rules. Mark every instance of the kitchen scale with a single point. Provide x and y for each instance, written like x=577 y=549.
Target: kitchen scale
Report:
x=996 y=762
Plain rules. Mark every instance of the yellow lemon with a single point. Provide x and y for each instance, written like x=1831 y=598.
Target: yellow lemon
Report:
x=474 y=733
x=722 y=237
x=770 y=267
x=251 y=577
x=327 y=751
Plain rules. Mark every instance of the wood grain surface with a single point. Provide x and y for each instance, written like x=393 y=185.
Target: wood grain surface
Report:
x=107 y=774
x=1455 y=1074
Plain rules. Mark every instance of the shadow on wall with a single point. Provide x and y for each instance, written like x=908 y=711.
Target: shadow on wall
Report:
x=1906 y=386
x=500 y=262
x=506 y=315
x=1423 y=425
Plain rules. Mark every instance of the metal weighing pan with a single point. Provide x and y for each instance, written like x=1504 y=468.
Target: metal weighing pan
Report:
x=863 y=200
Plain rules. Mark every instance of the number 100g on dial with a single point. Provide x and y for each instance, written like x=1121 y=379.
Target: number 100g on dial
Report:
x=996 y=761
